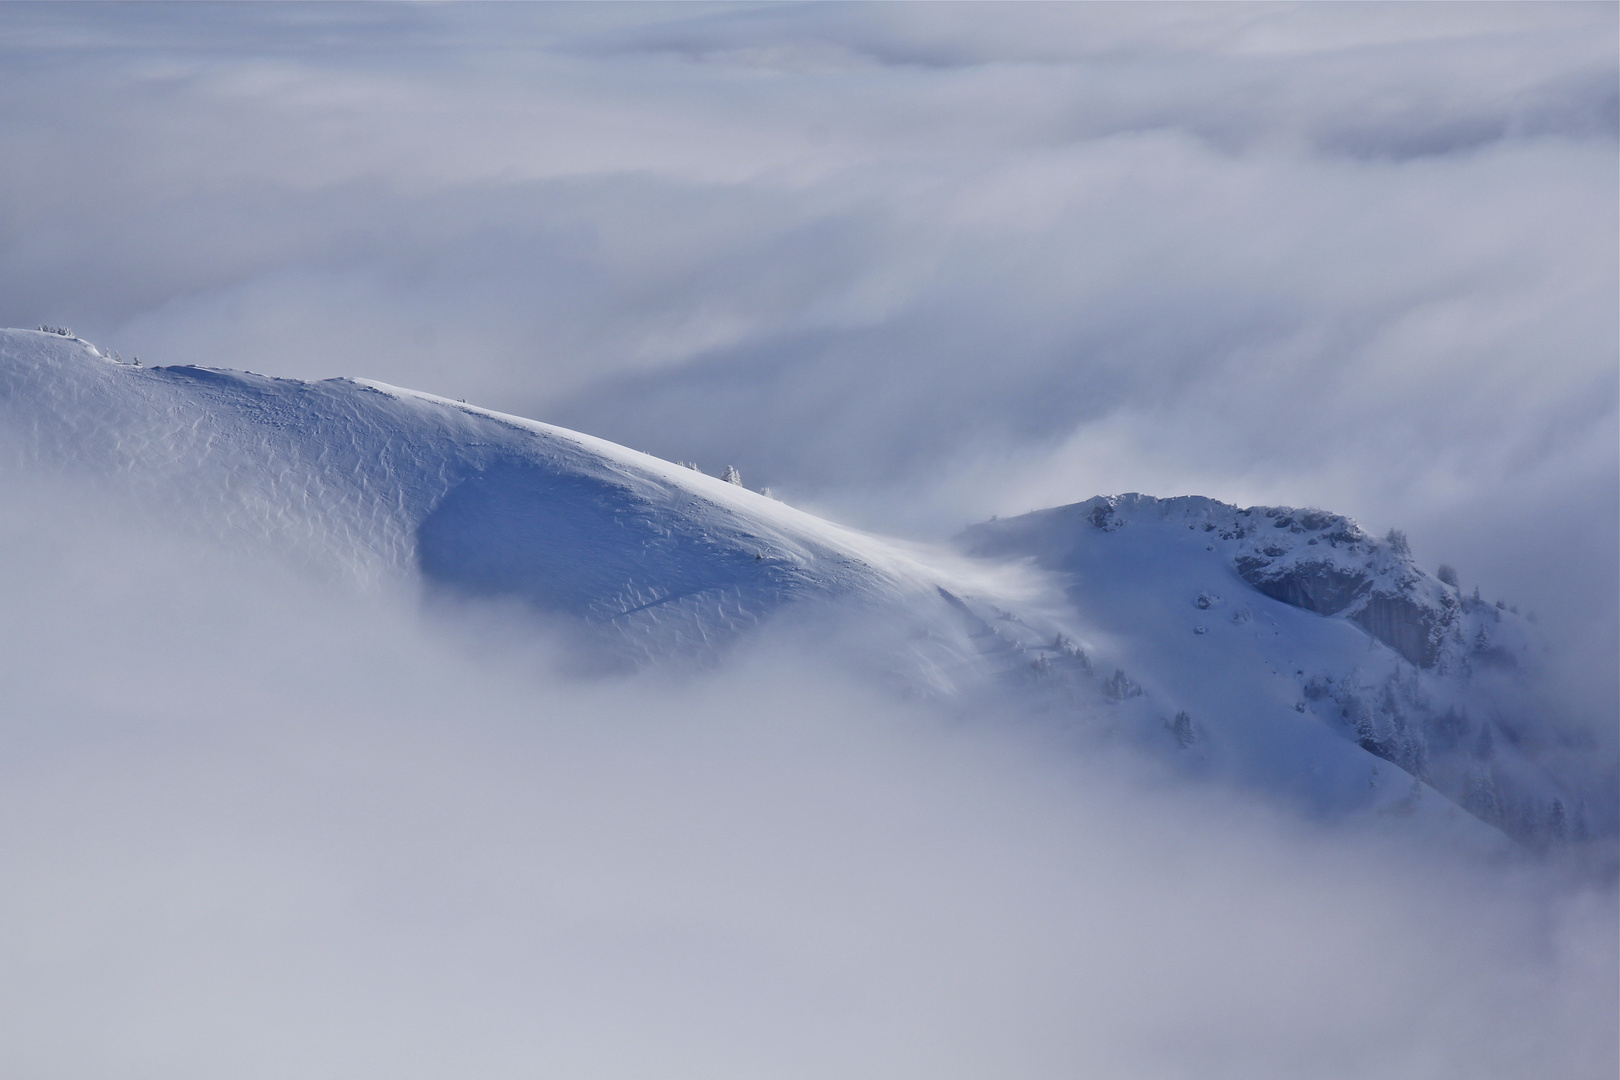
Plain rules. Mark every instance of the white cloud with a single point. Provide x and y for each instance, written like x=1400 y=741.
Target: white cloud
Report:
x=254 y=828
x=913 y=265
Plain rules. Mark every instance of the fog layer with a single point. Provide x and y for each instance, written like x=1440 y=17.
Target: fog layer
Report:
x=253 y=828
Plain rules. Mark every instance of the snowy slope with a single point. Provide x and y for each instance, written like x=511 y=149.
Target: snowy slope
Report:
x=383 y=482
x=1272 y=618
x=1286 y=651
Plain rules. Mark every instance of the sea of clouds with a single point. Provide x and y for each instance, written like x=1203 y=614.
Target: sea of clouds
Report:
x=256 y=826
x=911 y=266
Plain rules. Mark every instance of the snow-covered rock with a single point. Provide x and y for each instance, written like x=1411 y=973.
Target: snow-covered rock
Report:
x=1236 y=615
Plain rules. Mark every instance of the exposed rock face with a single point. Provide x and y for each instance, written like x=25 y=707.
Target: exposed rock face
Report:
x=1322 y=562
x=1362 y=594
x=1402 y=624
x=1325 y=563
x=1318 y=587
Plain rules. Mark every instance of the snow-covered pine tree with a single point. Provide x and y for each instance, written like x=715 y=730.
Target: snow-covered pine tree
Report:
x=1557 y=823
x=1182 y=728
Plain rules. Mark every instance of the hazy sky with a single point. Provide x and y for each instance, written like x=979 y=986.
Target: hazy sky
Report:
x=911 y=266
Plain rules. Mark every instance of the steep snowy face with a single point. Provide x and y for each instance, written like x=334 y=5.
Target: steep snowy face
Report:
x=1237 y=614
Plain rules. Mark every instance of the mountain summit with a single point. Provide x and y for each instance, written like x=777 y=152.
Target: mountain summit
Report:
x=1256 y=613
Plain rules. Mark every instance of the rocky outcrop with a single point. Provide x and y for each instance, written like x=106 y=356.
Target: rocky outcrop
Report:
x=1406 y=626
x=1325 y=563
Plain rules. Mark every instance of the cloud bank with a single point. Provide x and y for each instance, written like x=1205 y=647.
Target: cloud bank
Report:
x=253 y=827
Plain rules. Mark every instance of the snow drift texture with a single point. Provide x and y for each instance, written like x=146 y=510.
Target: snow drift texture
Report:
x=1282 y=649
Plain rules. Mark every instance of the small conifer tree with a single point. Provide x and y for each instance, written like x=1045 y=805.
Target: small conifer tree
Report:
x=1557 y=823
x=1182 y=728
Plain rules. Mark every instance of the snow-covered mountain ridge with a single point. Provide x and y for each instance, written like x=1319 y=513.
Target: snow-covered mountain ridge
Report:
x=1282 y=649
x=376 y=482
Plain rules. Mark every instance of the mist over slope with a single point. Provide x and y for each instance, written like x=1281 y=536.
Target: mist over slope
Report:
x=1282 y=650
